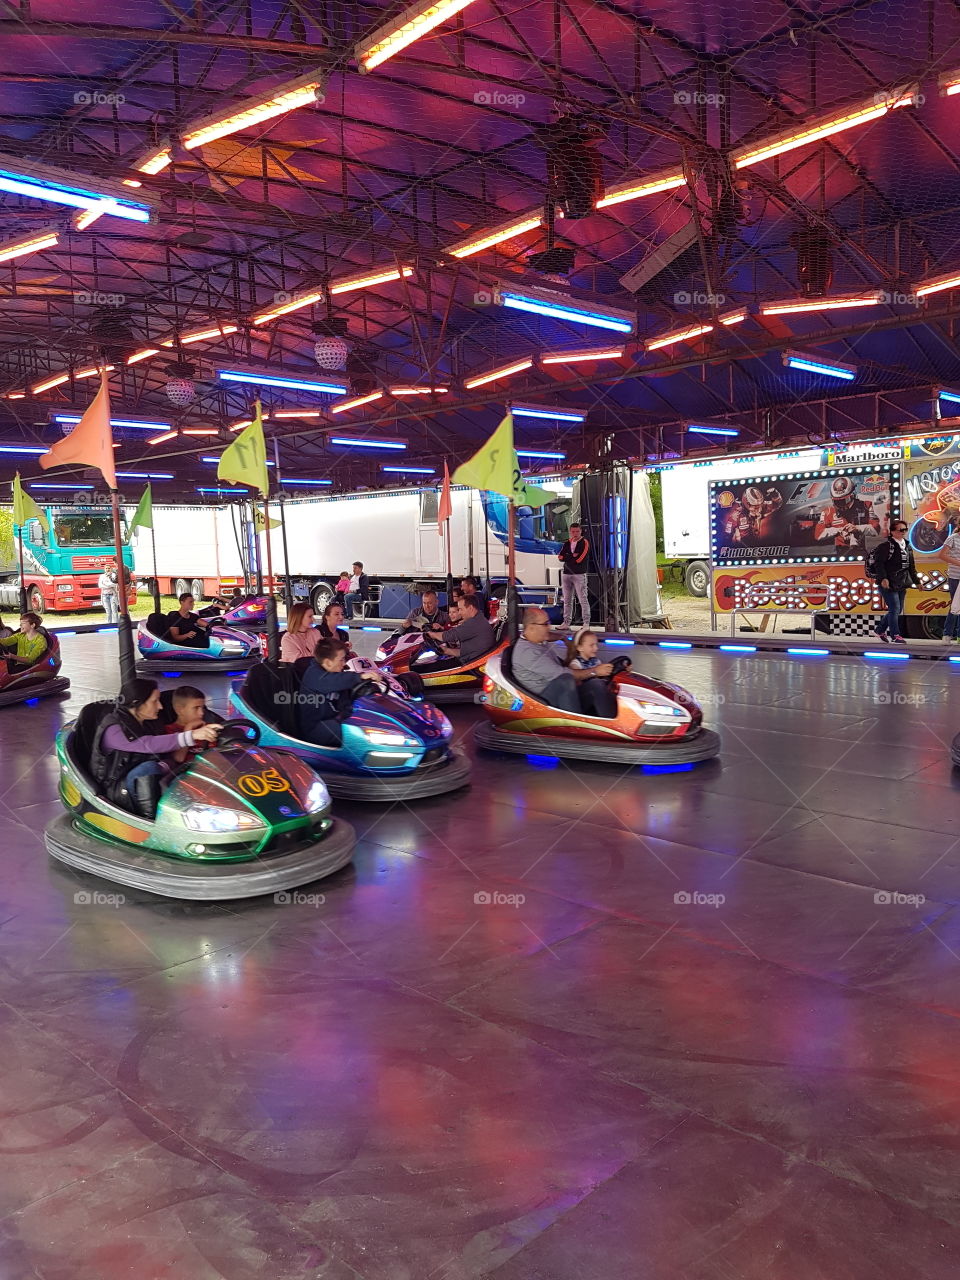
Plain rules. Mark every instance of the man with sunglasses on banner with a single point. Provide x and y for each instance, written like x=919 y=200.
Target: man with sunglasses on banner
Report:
x=895 y=571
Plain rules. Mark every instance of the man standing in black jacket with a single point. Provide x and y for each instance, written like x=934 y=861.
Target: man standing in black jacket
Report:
x=575 y=554
x=896 y=572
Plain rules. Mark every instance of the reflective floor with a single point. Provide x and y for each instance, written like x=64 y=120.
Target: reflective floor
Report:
x=570 y=1023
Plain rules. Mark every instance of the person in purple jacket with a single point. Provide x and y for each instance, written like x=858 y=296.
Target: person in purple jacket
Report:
x=129 y=747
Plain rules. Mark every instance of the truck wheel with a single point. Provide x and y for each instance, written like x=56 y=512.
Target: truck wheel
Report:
x=696 y=577
x=320 y=596
x=180 y=586
x=196 y=588
x=35 y=600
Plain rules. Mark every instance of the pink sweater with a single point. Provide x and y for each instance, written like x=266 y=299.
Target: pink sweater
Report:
x=299 y=645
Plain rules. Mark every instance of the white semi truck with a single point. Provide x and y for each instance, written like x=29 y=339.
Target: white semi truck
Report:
x=394 y=533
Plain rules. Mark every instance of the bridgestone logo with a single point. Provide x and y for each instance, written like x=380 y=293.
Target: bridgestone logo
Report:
x=751 y=553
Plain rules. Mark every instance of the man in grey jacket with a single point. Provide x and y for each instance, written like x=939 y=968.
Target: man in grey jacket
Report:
x=538 y=666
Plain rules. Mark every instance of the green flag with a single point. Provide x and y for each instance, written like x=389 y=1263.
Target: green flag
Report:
x=24 y=507
x=143 y=516
x=245 y=461
x=494 y=467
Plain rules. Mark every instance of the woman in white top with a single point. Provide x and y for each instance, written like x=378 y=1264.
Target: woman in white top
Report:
x=301 y=636
x=950 y=551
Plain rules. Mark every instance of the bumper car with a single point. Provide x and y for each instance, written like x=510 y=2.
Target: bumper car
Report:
x=390 y=747
x=42 y=680
x=250 y=613
x=229 y=650
x=955 y=751
x=445 y=680
x=237 y=821
x=656 y=723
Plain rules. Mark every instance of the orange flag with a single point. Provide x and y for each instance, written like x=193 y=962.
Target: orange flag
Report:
x=445 y=509
x=90 y=443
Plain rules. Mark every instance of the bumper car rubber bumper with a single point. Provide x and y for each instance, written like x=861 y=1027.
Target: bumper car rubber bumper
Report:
x=195 y=666
x=700 y=746
x=26 y=693
x=208 y=881
x=450 y=694
x=435 y=780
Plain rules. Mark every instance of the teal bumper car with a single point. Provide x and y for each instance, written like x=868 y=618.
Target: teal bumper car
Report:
x=388 y=746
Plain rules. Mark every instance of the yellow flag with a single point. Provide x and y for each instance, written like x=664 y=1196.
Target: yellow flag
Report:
x=258 y=519
x=24 y=507
x=494 y=467
x=245 y=461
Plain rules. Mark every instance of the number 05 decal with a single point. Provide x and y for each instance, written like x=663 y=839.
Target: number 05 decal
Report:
x=259 y=784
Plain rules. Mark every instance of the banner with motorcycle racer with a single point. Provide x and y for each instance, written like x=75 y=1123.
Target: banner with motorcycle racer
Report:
x=832 y=515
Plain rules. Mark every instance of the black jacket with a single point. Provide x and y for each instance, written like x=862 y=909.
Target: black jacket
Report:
x=110 y=768
x=575 y=556
x=895 y=566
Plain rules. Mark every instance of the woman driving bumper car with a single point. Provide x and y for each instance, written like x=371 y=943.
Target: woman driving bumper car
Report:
x=534 y=707
x=236 y=821
x=364 y=737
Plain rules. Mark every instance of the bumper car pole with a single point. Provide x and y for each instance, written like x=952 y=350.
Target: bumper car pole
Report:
x=287 y=588
x=273 y=630
x=513 y=619
x=128 y=662
x=24 y=606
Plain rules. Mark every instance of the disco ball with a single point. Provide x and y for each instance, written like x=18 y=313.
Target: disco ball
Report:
x=181 y=392
x=331 y=352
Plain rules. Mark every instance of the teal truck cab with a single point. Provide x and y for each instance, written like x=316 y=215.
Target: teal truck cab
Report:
x=61 y=567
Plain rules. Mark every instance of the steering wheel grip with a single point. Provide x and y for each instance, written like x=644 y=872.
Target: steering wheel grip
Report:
x=238 y=733
x=620 y=664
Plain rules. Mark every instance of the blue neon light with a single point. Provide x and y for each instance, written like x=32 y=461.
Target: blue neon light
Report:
x=289 y=480
x=293 y=384
x=118 y=422
x=951 y=396
x=371 y=628
x=624 y=642
x=889 y=657
x=66 y=633
x=145 y=475
x=739 y=648
x=518 y=302
x=47 y=484
x=543 y=762
x=367 y=444
x=673 y=644
x=558 y=415
x=240 y=491
x=715 y=431
x=207 y=458
x=17 y=448
x=828 y=370
x=77 y=197
x=811 y=653
x=173 y=674
x=31 y=702
x=617 y=536
x=540 y=453
x=665 y=768
x=419 y=471
x=954 y=658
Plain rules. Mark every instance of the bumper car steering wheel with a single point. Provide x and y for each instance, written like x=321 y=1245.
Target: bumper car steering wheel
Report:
x=620 y=664
x=238 y=733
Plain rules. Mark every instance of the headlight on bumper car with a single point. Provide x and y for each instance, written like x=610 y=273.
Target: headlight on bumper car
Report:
x=379 y=655
x=387 y=738
x=212 y=818
x=318 y=797
x=656 y=718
